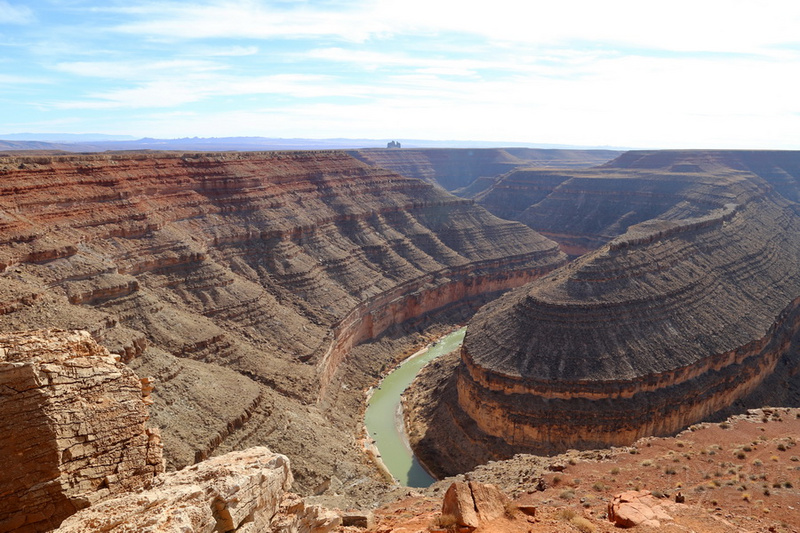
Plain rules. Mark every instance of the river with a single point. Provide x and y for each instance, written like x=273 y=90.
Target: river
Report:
x=384 y=418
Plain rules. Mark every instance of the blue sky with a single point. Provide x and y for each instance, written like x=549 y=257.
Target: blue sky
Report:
x=696 y=74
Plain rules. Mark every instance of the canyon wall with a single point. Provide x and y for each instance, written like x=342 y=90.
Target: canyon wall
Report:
x=469 y=171
x=254 y=272
x=72 y=428
x=584 y=209
x=661 y=327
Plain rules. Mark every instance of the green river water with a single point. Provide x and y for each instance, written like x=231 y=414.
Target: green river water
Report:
x=384 y=420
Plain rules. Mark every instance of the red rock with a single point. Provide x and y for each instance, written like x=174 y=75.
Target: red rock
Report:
x=459 y=503
x=473 y=503
x=634 y=508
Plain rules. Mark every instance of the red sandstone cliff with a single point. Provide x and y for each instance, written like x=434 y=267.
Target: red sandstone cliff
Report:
x=249 y=272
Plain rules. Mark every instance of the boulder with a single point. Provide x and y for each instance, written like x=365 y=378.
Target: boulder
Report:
x=364 y=520
x=473 y=503
x=634 y=508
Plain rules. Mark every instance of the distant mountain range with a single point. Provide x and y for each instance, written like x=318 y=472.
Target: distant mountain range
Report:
x=90 y=142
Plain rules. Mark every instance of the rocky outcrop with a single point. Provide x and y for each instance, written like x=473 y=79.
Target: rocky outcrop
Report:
x=636 y=508
x=468 y=171
x=73 y=429
x=241 y=491
x=473 y=503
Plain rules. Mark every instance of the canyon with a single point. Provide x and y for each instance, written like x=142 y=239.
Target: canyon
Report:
x=259 y=294
x=240 y=284
x=699 y=304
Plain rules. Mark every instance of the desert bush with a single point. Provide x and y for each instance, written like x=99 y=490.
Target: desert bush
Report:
x=567 y=513
x=510 y=508
x=583 y=524
x=446 y=521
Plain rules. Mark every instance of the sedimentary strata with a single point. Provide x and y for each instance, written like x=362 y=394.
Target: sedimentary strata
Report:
x=72 y=428
x=663 y=326
x=470 y=171
x=254 y=272
x=584 y=209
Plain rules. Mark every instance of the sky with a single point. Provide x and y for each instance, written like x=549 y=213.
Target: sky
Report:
x=646 y=74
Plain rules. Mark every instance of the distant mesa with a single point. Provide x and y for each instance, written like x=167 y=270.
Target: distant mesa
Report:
x=393 y=144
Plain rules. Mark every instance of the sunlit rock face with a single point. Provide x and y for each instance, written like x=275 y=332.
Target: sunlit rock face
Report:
x=659 y=328
x=72 y=428
x=253 y=272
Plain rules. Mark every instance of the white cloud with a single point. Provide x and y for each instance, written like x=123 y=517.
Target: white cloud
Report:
x=242 y=19
x=11 y=14
x=740 y=26
x=178 y=91
x=138 y=69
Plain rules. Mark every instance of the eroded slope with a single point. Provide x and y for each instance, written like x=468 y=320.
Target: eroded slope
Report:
x=470 y=171
x=241 y=281
x=665 y=325
x=584 y=209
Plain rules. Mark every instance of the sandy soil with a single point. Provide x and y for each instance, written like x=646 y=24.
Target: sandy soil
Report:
x=742 y=475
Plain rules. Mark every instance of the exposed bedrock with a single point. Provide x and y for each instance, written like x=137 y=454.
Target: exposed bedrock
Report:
x=72 y=428
x=468 y=171
x=254 y=272
x=584 y=209
x=664 y=326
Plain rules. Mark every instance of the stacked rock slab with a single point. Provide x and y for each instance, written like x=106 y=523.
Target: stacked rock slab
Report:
x=243 y=491
x=662 y=327
x=72 y=428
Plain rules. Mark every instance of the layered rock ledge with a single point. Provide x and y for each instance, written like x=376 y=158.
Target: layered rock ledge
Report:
x=661 y=328
x=245 y=491
x=72 y=428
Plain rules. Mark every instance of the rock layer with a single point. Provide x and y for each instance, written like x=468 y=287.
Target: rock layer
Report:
x=660 y=328
x=469 y=171
x=253 y=271
x=73 y=428
x=584 y=209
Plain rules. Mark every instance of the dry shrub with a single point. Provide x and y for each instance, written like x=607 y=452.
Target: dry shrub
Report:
x=583 y=524
x=510 y=508
x=567 y=514
x=446 y=521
